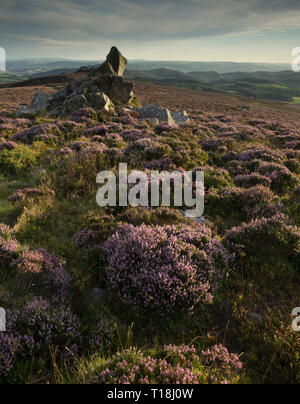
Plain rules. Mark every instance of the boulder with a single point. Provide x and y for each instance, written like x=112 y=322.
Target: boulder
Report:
x=38 y=104
x=155 y=111
x=180 y=117
x=24 y=111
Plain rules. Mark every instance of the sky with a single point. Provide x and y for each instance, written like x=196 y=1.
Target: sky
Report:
x=193 y=30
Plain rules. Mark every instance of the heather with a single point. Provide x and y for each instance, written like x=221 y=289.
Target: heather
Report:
x=146 y=295
x=169 y=267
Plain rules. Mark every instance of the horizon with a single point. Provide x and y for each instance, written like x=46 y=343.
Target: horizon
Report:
x=148 y=60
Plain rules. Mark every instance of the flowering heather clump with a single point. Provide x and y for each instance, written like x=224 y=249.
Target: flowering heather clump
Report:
x=261 y=153
x=66 y=151
x=222 y=363
x=113 y=139
x=164 y=268
x=220 y=355
x=293 y=145
x=29 y=135
x=79 y=146
x=8 y=146
x=171 y=365
x=125 y=117
x=134 y=367
x=70 y=126
x=87 y=239
x=97 y=130
x=35 y=327
x=103 y=337
x=99 y=140
x=47 y=273
x=232 y=155
x=266 y=237
x=22 y=122
x=9 y=345
x=281 y=177
x=251 y=180
x=84 y=115
x=260 y=201
x=6 y=232
x=115 y=127
x=132 y=135
x=210 y=143
x=8 y=246
x=165 y=164
x=6 y=126
x=165 y=127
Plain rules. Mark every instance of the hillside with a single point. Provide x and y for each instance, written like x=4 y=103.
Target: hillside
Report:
x=71 y=269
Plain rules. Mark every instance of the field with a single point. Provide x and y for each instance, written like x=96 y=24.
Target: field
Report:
x=139 y=295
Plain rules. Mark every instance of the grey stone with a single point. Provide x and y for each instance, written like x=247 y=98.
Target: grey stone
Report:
x=40 y=102
x=180 y=117
x=24 y=111
x=100 y=101
x=75 y=103
x=155 y=111
x=115 y=64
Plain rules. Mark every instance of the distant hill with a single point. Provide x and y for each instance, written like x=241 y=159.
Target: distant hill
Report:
x=30 y=67
x=281 y=86
x=6 y=77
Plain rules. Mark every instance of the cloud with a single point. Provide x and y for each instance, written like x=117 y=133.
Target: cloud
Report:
x=66 y=22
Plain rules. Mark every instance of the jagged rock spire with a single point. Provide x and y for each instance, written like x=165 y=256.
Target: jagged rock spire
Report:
x=115 y=63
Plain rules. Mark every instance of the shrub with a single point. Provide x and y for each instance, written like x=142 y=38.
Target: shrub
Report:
x=35 y=327
x=251 y=180
x=17 y=160
x=261 y=153
x=239 y=204
x=170 y=364
x=215 y=177
x=164 y=269
x=281 y=178
x=45 y=272
x=265 y=238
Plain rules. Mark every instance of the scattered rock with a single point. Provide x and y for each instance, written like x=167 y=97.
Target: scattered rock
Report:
x=180 y=117
x=155 y=111
x=38 y=104
x=24 y=111
x=163 y=115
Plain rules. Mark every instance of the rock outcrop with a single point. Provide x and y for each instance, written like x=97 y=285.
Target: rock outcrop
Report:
x=104 y=88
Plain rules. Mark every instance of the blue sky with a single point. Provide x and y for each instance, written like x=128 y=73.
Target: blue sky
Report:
x=200 y=30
